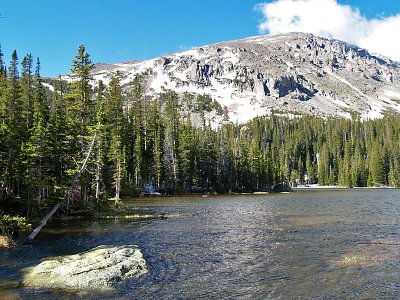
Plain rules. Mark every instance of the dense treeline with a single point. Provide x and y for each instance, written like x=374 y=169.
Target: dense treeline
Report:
x=151 y=142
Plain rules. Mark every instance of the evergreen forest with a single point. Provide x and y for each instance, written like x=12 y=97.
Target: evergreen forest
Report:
x=130 y=142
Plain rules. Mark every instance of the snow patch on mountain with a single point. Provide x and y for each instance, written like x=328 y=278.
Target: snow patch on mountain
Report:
x=49 y=86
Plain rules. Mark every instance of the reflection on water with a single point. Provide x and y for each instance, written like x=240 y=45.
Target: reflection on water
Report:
x=310 y=244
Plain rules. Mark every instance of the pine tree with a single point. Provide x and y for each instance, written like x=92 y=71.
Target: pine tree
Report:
x=37 y=162
x=256 y=163
x=27 y=91
x=40 y=102
x=156 y=134
x=225 y=161
x=2 y=65
x=136 y=133
x=323 y=166
x=114 y=112
x=347 y=167
x=186 y=155
x=15 y=122
x=4 y=129
x=171 y=146
x=37 y=146
x=377 y=166
x=58 y=145
x=268 y=169
x=3 y=90
x=101 y=143
x=80 y=118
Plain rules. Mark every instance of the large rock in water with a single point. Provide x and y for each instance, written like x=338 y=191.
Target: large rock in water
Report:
x=98 y=268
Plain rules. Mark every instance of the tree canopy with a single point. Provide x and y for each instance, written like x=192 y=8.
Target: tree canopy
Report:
x=153 y=143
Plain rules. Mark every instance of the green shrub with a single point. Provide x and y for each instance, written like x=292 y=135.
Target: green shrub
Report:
x=13 y=226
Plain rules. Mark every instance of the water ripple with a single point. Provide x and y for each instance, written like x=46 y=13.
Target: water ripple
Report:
x=311 y=245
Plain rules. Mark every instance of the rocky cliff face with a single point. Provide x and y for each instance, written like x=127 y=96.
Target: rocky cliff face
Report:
x=292 y=73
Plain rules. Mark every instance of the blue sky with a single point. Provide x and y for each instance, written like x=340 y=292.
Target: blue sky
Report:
x=115 y=30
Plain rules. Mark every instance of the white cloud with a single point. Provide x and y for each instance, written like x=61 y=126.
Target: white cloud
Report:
x=330 y=19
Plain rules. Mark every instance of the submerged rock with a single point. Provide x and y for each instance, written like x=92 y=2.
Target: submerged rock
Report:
x=99 y=268
x=369 y=254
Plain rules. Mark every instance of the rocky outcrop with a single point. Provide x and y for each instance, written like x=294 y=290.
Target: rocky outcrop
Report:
x=99 y=268
x=283 y=86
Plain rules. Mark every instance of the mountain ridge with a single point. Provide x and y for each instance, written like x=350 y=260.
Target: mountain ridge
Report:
x=292 y=73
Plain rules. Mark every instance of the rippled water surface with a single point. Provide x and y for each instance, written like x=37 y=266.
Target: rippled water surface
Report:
x=308 y=244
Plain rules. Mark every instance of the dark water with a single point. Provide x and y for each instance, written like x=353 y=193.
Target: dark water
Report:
x=305 y=245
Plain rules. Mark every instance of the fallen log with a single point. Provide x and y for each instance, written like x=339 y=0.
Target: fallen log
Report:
x=33 y=234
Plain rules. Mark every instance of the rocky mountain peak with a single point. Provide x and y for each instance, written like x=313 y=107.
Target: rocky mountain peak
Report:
x=290 y=73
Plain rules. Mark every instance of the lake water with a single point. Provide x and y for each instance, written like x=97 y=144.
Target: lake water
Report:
x=338 y=244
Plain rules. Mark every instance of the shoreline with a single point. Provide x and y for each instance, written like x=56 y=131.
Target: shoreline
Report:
x=293 y=190
x=336 y=187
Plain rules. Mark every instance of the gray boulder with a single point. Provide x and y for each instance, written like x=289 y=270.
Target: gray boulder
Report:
x=98 y=268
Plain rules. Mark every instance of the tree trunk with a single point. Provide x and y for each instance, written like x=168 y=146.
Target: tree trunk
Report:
x=118 y=184
x=98 y=167
x=33 y=234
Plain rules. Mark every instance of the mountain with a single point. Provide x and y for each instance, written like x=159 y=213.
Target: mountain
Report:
x=289 y=73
